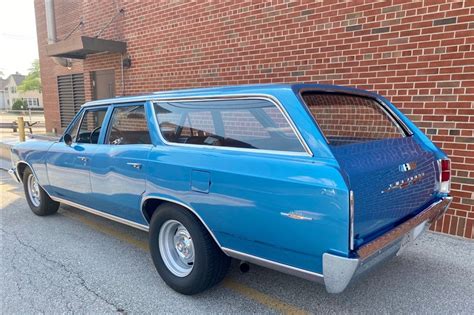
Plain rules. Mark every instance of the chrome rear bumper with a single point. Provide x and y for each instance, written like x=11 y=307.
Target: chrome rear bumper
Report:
x=339 y=271
x=14 y=175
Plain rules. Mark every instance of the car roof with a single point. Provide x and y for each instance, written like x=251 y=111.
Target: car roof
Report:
x=234 y=90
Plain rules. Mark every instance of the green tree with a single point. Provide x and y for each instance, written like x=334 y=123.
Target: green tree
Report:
x=20 y=105
x=32 y=82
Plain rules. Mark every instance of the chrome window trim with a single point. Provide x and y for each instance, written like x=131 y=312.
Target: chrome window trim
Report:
x=269 y=98
x=401 y=126
x=101 y=214
x=294 y=271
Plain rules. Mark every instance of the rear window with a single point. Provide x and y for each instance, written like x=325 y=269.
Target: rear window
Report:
x=346 y=119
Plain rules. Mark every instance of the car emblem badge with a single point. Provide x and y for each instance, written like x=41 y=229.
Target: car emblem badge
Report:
x=404 y=183
x=407 y=167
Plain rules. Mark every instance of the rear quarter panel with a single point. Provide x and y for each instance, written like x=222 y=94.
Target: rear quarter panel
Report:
x=249 y=191
x=248 y=195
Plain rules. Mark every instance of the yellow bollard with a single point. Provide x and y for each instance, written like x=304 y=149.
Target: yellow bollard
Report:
x=21 y=129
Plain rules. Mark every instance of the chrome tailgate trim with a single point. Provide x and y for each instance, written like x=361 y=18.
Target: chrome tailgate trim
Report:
x=430 y=214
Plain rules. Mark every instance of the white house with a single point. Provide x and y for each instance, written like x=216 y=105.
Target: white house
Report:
x=9 y=93
x=3 y=100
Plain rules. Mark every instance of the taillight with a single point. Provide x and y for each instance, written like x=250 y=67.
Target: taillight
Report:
x=444 y=176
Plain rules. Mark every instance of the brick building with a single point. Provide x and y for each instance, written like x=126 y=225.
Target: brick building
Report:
x=418 y=54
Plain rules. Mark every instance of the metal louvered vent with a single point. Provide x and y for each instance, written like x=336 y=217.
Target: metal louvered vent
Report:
x=71 y=96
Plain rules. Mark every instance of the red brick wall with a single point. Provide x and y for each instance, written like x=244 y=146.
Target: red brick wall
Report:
x=418 y=54
x=69 y=13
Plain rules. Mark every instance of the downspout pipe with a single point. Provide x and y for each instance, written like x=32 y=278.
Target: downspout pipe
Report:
x=51 y=31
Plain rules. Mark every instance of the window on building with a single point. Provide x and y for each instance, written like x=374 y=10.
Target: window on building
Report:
x=128 y=125
x=32 y=102
x=71 y=96
x=248 y=124
x=13 y=89
x=91 y=125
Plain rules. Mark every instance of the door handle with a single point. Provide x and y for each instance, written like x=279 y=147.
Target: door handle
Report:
x=82 y=158
x=135 y=165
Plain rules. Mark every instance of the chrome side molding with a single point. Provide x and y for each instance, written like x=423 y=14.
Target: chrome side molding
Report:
x=102 y=214
x=301 y=273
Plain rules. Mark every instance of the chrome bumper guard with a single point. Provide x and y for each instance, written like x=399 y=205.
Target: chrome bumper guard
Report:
x=339 y=271
x=14 y=175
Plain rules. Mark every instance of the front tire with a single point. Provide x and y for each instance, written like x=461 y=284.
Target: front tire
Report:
x=38 y=200
x=183 y=251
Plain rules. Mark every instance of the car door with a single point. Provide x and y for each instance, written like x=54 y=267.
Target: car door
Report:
x=119 y=167
x=69 y=165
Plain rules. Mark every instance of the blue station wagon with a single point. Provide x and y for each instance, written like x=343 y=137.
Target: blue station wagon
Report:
x=321 y=182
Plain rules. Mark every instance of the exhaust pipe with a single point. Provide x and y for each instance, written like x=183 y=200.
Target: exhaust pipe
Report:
x=244 y=267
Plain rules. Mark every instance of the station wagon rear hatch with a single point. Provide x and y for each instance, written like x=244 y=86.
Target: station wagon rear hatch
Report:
x=392 y=176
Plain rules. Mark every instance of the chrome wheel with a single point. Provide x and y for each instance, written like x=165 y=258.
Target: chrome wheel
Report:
x=176 y=248
x=34 y=191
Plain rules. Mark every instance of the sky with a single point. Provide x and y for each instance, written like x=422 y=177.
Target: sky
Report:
x=18 y=45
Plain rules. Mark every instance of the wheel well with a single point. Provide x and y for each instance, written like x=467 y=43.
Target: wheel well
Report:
x=149 y=207
x=21 y=169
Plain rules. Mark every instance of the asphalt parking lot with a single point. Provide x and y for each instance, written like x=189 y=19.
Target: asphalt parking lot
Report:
x=74 y=262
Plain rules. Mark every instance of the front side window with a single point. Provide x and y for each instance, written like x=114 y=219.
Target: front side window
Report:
x=72 y=130
x=90 y=126
x=128 y=125
x=346 y=119
x=246 y=124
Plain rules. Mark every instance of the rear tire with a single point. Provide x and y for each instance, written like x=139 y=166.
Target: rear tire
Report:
x=38 y=200
x=183 y=251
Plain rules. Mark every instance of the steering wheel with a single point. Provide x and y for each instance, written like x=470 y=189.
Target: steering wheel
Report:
x=214 y=140
x=93 y=132
x=117 y=135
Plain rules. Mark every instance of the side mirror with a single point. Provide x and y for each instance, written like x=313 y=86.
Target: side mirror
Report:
x=67 y=139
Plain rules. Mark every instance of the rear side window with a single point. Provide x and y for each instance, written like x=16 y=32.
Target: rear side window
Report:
x=346 y=119
x=247 y=124
x=128 y=125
